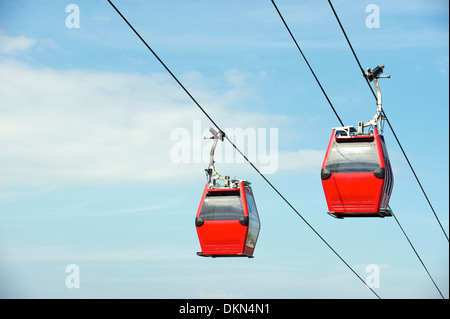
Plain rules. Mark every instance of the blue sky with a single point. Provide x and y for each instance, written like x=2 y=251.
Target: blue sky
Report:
x=88 y=123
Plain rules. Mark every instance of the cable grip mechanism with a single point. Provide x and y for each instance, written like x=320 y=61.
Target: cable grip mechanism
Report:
x=211 y=173
x=373 y=76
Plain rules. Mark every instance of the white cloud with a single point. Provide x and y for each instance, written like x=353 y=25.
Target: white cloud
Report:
x=13 y=44
x=302 y=160
x=73 y=126
x=61 y=253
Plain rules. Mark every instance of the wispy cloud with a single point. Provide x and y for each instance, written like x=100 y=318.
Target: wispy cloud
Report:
x=10 y=45
x=85 y=126
x=81 y=253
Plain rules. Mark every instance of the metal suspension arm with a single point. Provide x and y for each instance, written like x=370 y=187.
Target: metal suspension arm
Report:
x=373 y=76
x=211 y=172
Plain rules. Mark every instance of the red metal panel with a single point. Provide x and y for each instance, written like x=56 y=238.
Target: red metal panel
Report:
x=353 y=194
x=330 y=145
x=205 y=191
x=357 y=194
x=224 y=237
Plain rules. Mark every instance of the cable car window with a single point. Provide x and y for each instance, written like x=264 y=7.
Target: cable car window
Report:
x=254 y=222
x=221 y=207
x=353 y=157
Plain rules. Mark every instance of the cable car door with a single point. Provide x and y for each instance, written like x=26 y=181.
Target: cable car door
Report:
x=222 y=223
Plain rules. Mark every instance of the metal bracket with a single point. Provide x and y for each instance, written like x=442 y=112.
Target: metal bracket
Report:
x=373 y=76
x=211 y=172
x=346 y=130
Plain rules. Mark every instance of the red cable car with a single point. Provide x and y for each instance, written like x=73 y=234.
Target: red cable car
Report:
x=356 y=173
x=227 y=220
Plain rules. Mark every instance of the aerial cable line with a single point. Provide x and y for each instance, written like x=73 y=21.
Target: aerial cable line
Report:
x=362 y=70
x=309 y=66
x=398 y=142
x=353 y=51
x=420 y=259
x=285 y=24
x=163 y=64
x=387 y=120
x=414 y=173
x=245 y=157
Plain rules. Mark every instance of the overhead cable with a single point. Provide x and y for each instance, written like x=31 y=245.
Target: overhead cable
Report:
x=245 y=157
x=389 y=123
x=307 y=63
x=415 y=251
x=281 y=16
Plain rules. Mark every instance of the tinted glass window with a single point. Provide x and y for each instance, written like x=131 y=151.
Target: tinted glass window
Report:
x=222 y=206
x=254 y=222
x=353 y=157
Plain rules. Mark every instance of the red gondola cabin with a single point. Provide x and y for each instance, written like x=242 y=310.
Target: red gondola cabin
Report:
x=227 y=221
x=356 y=174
